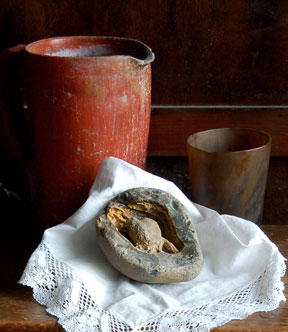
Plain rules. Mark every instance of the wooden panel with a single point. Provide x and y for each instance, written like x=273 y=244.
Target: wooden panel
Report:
x=170 y=127
x=207 y=52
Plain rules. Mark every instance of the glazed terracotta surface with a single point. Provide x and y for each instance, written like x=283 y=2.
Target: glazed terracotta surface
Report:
x=88 y=98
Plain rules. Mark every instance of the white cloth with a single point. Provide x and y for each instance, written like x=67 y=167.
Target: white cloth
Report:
x=71 y=277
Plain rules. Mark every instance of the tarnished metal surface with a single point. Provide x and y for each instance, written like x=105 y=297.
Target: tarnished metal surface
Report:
x=228 y=169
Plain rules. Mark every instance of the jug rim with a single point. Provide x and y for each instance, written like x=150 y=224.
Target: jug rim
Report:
x=82 y=47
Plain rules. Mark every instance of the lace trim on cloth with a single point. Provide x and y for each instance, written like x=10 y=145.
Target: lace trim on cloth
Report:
x=59 y=288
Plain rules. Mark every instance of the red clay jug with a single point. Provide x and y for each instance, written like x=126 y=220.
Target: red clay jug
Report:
x=87 y=98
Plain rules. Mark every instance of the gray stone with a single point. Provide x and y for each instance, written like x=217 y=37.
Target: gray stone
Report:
x=148 y=235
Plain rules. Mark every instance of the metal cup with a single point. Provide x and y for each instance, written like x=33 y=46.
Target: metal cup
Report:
x=228 y=169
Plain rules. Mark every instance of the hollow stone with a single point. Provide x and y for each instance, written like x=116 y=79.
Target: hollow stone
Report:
x=148 y=235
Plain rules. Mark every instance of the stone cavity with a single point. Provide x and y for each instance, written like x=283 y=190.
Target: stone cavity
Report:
x=148 y=235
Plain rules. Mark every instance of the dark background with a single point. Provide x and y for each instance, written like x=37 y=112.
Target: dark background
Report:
x=218 y=64
x=207 y=52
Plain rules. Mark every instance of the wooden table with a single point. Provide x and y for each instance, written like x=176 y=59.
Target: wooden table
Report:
x=19 y=311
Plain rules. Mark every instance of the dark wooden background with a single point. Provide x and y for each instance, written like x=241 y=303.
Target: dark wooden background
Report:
x=218 y=52
x=218 y=63
x=208 y=53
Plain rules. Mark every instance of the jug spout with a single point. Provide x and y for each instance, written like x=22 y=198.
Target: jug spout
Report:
x=143 y=55
x=143 y=62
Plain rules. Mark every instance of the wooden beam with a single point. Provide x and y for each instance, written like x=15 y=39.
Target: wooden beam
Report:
x=171 y=126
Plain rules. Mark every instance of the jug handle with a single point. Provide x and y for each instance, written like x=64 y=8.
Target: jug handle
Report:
x=12 y=112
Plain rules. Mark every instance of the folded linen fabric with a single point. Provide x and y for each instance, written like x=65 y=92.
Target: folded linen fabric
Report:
x=69 y=274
